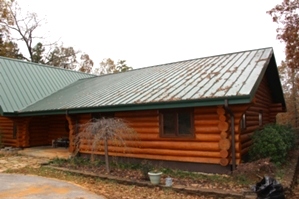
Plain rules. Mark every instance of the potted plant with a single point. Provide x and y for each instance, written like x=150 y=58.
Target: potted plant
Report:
x=155 y=176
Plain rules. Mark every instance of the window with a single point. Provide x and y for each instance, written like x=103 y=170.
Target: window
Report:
x=176 y=123
x=243 y=122
x=261 y=118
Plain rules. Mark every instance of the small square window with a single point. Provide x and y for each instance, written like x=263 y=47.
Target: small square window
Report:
x=176 y=123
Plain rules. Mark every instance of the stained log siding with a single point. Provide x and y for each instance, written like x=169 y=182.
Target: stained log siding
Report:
x=210 y=143
x=39 y=131
x=6 y=129
x=44 y=129
x=263 y=103
x=238 y=111
x=33 y=131
x=58 y=127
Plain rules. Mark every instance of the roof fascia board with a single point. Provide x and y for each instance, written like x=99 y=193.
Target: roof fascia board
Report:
x=166 y=105
x=261 y=76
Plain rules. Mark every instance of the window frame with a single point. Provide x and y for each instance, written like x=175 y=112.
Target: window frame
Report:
x=176 y=134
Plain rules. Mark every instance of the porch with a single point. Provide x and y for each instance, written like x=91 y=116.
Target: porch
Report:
x=46 y=151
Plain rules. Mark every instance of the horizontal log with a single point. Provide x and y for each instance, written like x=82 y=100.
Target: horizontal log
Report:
x=247 y=144
x=179 y=145
x=246 y=137
x=263 y=94
x=251 y=129
x=256 y=109
x=166 y=158
x=9 y=140
x=207 y=129
x=211 y=110
x=276 y=105
x=262 y=104
x=144 y=124
x=154 y=119
x=147 y=130
x=164 y=152
x=206 y=122
x=252 y=123
x=276 y=109
x=239 y=108
x=206 y=117
x=207 y=137
x=6 y=124
x=6 y=136
x=251 y=113
x=245 y=151
x=252 y=117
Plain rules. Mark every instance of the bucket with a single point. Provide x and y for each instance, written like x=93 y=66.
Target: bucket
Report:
x=168 y=182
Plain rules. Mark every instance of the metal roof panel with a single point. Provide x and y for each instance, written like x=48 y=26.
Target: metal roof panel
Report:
x=204 y=79
x=24 y=83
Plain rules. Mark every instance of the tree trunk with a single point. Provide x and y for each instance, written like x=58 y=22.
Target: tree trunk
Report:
x=106 y=156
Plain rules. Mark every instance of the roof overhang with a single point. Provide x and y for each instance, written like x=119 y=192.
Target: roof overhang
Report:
x=135 y=107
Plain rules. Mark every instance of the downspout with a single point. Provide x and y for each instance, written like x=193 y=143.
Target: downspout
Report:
x=232 y=119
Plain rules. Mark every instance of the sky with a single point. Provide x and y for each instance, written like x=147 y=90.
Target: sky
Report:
x=147 y=33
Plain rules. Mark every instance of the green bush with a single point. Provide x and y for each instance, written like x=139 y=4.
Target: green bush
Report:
x=273 y=141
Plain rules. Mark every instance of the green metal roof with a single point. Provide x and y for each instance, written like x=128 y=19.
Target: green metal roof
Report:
x=34 y=89
x=197 y=82
x=25 y=83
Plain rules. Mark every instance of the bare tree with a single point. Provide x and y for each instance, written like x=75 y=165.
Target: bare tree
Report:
x=86 y=64
x=97 y=132
x=25 y=27
x=108 y=66
x=286 y=16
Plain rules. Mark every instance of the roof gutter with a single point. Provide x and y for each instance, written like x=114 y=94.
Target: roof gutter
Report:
x=232 y=119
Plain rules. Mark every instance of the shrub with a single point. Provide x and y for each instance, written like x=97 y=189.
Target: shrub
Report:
x=97 y=132
x=273 y=141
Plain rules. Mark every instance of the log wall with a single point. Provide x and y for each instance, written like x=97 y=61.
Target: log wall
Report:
x=210 y=143
x=44 y=129
x=33 y=131
x=6 y=129
x=57 y=127
x=39 y=131
x=263 y=102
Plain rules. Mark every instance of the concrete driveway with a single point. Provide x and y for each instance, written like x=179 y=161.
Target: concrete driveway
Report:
x=16 y=186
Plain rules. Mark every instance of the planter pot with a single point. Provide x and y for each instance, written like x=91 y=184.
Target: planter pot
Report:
x=154 y=177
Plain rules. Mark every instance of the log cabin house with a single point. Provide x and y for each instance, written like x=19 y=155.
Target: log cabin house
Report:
x=196 y=114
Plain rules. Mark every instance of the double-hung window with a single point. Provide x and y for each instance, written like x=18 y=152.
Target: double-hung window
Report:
x=176 y=123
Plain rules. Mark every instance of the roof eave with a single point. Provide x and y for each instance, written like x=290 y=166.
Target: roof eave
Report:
x=135 y=107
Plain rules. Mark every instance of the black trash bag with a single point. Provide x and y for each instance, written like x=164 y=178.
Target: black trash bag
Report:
x=269 y=188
